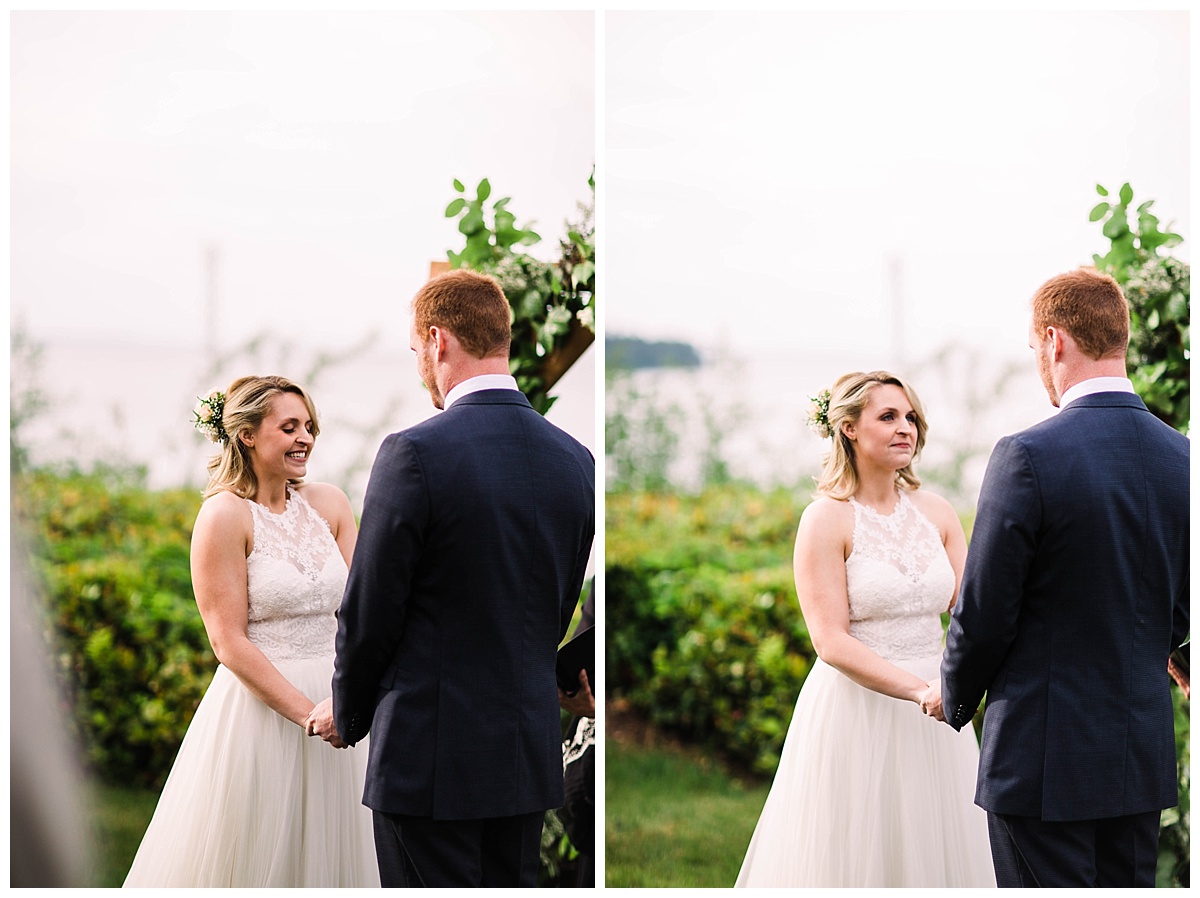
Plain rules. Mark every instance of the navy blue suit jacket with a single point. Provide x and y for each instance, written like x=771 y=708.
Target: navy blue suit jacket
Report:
x=476 y=529
x=1074 y=594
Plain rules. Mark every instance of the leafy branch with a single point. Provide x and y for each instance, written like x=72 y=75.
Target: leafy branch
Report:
x=1158 y=288
x=553 y=304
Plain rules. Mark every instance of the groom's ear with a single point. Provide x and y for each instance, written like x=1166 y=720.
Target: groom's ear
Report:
x=1058 y=338
x=442 y=339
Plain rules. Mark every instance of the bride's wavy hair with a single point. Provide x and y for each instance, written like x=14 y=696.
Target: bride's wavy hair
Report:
x=247 y=403
x=847 y=399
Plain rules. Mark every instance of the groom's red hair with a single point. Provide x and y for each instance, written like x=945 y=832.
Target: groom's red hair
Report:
x=1088 y=305
x=471 y=306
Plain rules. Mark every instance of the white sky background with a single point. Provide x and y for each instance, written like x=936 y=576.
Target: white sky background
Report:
x=763 y=170
x=314 y=150
x=315 y=153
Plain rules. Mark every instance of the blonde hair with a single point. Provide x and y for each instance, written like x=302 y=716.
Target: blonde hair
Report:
x=247 y=403
x=847 y=399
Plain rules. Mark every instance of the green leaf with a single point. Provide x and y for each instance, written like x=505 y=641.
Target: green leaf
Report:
x=583 y=272
x=483 y=191
x=455 y=207
x=471 y=223
x=458 y=185
x=505 y=221
x=1117 y=226
x=1098 y=211
x=1100 y=190
x=1126 y=194
x=1146 y=205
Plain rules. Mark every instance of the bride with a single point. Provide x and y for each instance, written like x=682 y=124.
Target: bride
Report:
x=251 y=800
x=868 y=791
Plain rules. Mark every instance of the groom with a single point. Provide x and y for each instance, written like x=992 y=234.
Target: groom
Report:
x=476 y=530
x=1074 y=594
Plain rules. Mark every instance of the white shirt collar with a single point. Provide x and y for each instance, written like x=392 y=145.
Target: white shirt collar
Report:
x=480 y=382
x=1096 y=385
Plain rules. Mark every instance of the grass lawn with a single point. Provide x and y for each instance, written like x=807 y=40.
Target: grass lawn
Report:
x=674 y=818
x=118 y=817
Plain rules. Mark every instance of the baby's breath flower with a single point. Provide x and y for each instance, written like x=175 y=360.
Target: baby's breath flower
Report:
x=818 y=415
x=209 y=412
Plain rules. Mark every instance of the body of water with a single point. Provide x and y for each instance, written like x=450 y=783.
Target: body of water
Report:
x=131 y=404
x=756 y=410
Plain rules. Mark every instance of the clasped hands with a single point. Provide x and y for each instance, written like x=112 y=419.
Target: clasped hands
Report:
x=581 y=703
x=320 y=723
x=931 y=700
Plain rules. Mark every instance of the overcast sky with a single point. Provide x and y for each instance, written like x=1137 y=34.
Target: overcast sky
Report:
x=789 y=180
x=315 y=151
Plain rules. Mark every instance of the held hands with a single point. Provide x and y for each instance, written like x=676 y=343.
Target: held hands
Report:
x=1182 y=679
x=582 y=703
x=320 y=723
x=931 y=700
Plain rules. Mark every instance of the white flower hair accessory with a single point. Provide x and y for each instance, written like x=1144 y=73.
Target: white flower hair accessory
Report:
x=818 y=415
x=209 y=412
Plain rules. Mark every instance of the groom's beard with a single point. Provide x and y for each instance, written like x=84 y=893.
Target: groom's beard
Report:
x=428 y=378
x=1043 y=363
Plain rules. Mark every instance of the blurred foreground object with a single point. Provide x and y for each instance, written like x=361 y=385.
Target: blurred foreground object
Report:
x=49 y=842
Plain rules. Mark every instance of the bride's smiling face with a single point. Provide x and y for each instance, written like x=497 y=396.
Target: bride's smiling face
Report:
x=885 y=434
x=282 y=443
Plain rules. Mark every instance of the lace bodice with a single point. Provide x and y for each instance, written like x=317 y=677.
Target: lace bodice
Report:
x=295 y=578
x=899 y=580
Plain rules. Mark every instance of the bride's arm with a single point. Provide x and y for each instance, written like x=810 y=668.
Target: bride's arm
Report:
x=822 y=540
x=219 y=544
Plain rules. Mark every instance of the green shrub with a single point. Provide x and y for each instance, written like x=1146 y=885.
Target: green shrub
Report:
x=703 y=630
x=131 y=650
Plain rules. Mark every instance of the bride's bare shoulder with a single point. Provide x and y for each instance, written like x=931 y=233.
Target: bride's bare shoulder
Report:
x=223 y=516
x=826 y=514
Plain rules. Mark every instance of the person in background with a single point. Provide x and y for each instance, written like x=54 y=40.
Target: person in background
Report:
x=578 y=812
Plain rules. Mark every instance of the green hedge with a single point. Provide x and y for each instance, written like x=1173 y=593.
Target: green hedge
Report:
x=703 y=630
x=133 y=658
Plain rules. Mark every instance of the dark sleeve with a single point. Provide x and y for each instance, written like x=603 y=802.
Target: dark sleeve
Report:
x=983 y=623
x=571 y=599
x=372 y=616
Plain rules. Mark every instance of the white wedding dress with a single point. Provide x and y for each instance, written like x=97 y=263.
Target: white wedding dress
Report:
x=870 y=792
x=251 y=799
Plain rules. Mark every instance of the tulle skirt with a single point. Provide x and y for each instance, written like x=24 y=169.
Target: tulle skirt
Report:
x=870 y=793
x=253 y=801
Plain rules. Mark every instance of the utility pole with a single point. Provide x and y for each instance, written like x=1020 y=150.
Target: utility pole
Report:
x=211 y=260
